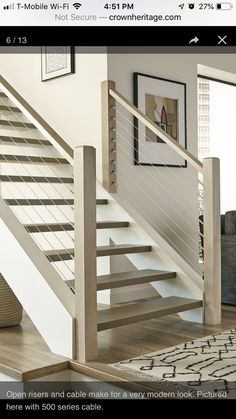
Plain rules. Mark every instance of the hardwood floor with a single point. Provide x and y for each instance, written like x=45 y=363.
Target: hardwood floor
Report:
x=153 y=335
x=24 y=355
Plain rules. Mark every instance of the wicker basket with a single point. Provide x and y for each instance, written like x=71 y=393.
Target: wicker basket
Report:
x=10 y=309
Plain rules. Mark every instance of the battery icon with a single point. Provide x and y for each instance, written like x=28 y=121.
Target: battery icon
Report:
x=224 y=6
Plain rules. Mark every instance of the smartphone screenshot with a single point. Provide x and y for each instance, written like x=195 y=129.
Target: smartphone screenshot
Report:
x=117 y=204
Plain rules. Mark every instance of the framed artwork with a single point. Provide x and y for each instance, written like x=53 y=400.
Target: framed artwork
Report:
x=56 y=62
x=164 y=102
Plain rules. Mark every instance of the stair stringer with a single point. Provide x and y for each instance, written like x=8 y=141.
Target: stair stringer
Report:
x=188 y=283
x=43 y=294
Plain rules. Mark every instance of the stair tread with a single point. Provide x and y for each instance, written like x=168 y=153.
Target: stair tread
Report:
x=132 y=278
x=19 y=124
x=112 y=224
x=5 y=158
x=47 y=227
x=26 y=202
x=20 y=140
x=56 y=255
x=123 y=279
x=35 y=179
x=132 y=313
x=10 y=108
x=122 y=249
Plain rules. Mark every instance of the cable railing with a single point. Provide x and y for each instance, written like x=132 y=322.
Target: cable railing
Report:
x=15 y=165
x=168 y=196
x=162 y=154
x=167 y=224
x=41 y=142
x=39 y=215
x=177 y=225
x=164 y=181
x=161 y=174
x=43 y=235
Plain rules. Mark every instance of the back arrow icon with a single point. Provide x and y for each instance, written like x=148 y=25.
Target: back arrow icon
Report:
x=194 y=40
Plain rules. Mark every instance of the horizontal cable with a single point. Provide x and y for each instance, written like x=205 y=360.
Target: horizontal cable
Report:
x=151 y=125
x=159 y=184
x=145 y=136
x=156 y=214
x=41 y=188
x=35 y=238
x=38 y=214
x=165 y=236
x=162 y=152
x=41 y=143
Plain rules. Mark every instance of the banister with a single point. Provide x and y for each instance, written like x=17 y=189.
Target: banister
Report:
x=36 y=117
x=156 y=130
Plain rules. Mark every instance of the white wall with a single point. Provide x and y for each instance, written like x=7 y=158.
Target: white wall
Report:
x=148 y=187
x=70 y=104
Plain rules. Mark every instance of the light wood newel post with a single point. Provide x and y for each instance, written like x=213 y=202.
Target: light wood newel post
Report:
x=108 y=137
x=212 y=240
x=85 y=253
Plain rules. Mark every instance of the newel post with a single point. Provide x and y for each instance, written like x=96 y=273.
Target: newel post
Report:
x=212 y=241
x=85 y=253
x=108 y=137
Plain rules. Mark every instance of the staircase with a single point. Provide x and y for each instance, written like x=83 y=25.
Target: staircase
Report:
x=50 y=245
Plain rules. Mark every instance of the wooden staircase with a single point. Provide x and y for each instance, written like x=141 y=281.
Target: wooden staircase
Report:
x=17 y=135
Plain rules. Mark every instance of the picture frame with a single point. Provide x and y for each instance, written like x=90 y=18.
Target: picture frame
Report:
x=164 y=102
x=56 y=61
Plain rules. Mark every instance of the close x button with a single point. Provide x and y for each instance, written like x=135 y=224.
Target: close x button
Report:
x=222 y=40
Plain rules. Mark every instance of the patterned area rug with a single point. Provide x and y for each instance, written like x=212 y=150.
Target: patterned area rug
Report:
x=208 y=362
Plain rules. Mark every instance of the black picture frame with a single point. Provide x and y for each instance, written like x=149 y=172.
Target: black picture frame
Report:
x=138 y=161
x=61 y=68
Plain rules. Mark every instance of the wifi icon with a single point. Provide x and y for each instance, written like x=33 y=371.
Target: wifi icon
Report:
x=77 y=5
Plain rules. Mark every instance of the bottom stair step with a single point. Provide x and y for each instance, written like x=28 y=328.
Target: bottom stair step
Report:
x=138 y=312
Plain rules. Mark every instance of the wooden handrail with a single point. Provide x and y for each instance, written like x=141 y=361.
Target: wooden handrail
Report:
x=52 y=133
x=156 y=130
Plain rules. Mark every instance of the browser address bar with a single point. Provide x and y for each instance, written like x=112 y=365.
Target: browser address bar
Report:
x=124 y=13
